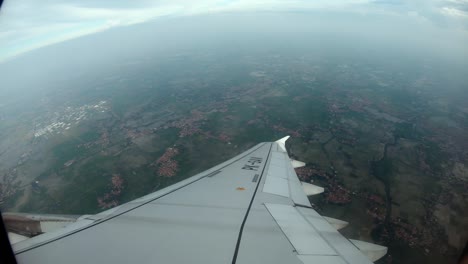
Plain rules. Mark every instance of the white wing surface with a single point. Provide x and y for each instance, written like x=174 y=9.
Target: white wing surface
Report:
x=250 y=209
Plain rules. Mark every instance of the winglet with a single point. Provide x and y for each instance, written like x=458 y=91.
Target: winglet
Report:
x=372 y=251
x=282 y=143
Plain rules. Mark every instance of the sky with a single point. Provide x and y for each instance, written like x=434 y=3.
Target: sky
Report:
x=27 y=25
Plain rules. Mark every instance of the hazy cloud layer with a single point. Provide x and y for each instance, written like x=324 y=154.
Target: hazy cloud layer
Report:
x=27 y=24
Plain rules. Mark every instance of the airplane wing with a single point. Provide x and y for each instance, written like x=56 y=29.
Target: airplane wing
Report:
x=249 y=209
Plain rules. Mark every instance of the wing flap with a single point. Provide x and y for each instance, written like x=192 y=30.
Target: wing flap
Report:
x=301 y=234
x=277 y=186
x=341 y=244
x=281 y=178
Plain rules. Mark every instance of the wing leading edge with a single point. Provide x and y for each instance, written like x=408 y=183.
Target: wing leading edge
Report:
x=249 y=209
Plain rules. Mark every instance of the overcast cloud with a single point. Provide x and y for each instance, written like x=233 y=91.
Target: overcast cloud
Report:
x=28 y=24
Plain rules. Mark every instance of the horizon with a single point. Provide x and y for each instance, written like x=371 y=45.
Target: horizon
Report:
x=28 y=26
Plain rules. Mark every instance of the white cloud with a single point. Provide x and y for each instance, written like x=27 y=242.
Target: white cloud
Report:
x=119 y=16
x=450 y=11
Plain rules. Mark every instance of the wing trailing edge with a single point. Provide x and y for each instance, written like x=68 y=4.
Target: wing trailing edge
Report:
x=310 y=189
x=336 y=223
x=297 y=164
x=292 y=225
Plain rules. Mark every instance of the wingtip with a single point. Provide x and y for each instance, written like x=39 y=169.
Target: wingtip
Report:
x=282 y=142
